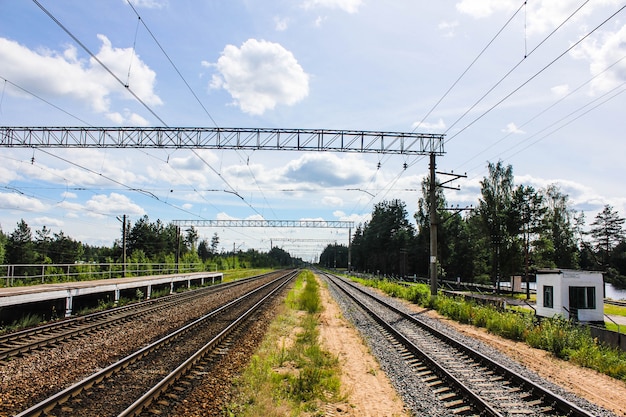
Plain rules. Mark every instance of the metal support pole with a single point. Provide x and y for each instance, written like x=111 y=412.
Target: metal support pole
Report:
x=349 y=249
x=433 y=227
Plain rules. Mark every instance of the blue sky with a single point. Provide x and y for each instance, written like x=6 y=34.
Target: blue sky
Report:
x=545 y=95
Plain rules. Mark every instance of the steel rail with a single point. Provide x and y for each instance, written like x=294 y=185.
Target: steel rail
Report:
x=162 y=386
x=547 y=395
x=476 y=401
x=62 y=396
x=23 y=341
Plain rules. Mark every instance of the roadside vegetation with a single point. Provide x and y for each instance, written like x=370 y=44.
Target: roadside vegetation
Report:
x=290 y=374
x=560 y=337
x=30 y=257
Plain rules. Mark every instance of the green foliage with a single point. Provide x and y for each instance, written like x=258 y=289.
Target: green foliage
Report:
x=310 y=299
x=289 y=378
x=562 y=338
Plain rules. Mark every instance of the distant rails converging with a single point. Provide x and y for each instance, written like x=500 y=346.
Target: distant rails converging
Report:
x=457 y=378
x=21 y=342
x=150 y=379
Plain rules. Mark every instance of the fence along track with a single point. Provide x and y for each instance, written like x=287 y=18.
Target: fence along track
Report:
x=17 y=343
x=163 y=347
x=466 y=381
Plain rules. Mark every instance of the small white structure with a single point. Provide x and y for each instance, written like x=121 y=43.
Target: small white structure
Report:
x=571 y=294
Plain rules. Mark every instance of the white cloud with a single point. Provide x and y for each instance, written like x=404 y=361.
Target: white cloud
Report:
x=319 y=20
x=560 y=90
x=483 y=8
x=512 y=128
x=603 y=51
x=281 y=23
x=448 y=28
x=350 y=6
x=114 y=203
x=187 y=206
x=127 y=119
x=63 y=74
x=326 y=170
x=149 y=4
x=15 y=201
x=67 y=194
x=48 y=221
x=440 y=125
x=541 y=15
x=75 y=207
x=260 y=75
x=332 y=201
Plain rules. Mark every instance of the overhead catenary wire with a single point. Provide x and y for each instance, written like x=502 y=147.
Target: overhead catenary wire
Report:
x=545 y=110
x=82 y=45
x=191 y=90
x=544 y=68
x=460 y=77
x=508 y=73
x=99 y=61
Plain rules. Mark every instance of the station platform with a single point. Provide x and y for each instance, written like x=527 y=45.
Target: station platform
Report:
x=15 y=296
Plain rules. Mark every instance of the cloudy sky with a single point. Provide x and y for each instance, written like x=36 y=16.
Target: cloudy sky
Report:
x=538 y=86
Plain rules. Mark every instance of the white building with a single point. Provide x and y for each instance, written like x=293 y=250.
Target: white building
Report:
x=576 y=295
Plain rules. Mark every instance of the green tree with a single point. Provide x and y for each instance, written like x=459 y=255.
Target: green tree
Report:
x=42 y=243
x=20 y=248
x=3 y=242
x=203 y=250
x=215 y=242
x=499 y=219
x=387 y=238
x=334 y=256
x=607 y=231
x=529 y=212
x=191 y=237
x=65 y=250
x=561 y=228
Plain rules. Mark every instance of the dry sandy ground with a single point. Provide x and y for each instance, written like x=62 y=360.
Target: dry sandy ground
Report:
x=369 y=392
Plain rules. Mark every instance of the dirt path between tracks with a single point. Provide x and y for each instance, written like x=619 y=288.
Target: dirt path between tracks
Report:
x=369 y=391
x=371 y=394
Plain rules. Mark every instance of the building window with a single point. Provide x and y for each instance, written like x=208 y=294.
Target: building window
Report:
x=548 y=296
x=582 y=298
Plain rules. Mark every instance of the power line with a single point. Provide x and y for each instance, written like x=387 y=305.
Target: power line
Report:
x=470 y=66
x=511 y=71
x=172 y=63
x=544 y=111
x=107 y=69
x=535 y=75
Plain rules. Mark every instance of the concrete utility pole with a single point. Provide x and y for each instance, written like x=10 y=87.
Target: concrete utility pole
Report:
x=433 y=227
x=123 y=220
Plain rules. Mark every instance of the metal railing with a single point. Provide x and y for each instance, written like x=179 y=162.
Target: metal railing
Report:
x=31 y=274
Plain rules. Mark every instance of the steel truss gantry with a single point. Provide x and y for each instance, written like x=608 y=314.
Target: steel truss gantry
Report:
x=223 y=138
x=265 y=223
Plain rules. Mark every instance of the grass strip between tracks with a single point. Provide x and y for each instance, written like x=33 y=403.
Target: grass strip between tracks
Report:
x=290 y=373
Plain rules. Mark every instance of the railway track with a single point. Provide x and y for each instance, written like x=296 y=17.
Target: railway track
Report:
x=18 y=343
x=462 y=380
x=155 y=375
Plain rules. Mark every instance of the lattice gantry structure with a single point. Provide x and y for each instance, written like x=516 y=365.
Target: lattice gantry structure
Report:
x=223 y=138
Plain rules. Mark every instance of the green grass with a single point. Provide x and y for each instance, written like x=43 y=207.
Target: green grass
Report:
x=235 y=274
x=290 y=374
x=614 y=310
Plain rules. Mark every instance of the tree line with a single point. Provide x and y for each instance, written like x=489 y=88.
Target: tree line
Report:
x=146 y=242
x=514 y=230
